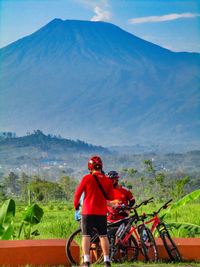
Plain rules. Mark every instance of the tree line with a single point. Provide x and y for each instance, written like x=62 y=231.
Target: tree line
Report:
x=160 y=185
x=143 y=184
x=27 y=188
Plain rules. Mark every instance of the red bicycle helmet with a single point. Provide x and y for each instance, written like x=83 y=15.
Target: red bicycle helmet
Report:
x=94 y=161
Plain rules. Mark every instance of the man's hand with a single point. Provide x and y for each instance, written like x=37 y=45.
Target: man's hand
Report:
x=128 y=211
x=78 y=206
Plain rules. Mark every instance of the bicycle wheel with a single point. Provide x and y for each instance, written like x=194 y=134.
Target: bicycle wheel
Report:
x=72 y=256
x=170 y=246
x=148 y=244
x=96 y=254
x=74 y=237
x=120 y=252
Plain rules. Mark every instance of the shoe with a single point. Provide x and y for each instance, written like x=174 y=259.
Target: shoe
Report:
x=107 y=264
x=85 y=264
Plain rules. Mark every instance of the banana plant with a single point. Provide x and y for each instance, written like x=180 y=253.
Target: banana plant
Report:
x=192 y=229
x=183 y=201
x=31 y=216
x=7 y=214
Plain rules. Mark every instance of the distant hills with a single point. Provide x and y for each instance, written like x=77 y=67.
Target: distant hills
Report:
x=95 y=82
x=39 y=145
x=48 y=155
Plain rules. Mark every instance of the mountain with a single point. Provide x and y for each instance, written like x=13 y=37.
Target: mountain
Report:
x=96 y=82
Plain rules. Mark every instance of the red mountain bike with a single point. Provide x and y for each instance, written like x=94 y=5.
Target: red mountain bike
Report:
x=168 y=242
x=144 y=236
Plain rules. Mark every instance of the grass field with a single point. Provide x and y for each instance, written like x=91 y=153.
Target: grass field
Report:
x=58 y=219
x=58 y=222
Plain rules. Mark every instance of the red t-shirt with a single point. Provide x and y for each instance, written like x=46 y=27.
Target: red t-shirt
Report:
x=121 y=196
x=94 y=201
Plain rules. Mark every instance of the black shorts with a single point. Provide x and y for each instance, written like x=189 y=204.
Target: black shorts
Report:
x=89 y=222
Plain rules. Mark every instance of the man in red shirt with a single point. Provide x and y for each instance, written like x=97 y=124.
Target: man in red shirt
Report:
x=94 y=209
x=122 y=196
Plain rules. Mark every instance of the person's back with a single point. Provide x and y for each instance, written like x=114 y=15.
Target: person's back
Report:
x=94 y=209
x=94 y=202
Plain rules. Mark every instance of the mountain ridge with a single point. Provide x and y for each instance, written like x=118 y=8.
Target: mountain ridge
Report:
x=48 y=143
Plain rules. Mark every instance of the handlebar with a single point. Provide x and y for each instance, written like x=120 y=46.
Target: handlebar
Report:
x=162 y=207
x=145 y=202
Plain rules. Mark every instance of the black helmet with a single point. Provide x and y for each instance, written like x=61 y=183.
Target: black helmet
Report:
x=113 y=175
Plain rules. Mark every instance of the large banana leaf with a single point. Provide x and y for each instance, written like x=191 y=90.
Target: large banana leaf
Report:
x=186 y=199
x=8 y=233
x=33 y=214
x=192 y=229
x=7 y=212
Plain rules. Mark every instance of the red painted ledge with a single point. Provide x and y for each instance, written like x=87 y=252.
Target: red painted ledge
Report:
x=188 y=247
x=39 y=252
x=51 y=252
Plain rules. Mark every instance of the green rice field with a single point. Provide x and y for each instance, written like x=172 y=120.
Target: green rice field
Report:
x=58 y=219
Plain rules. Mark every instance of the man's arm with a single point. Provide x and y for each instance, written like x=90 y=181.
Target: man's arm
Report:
x=131 y=202
x=131 y=199
x=79 y=191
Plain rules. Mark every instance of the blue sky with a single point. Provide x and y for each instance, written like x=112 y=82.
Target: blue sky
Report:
x=173 y=24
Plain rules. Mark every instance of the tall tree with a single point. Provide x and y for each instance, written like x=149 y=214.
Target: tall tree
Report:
x=12 y=183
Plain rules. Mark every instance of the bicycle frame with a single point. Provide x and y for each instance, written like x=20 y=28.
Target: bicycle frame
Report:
x=155 y=221
x=133 y=229
x=135 y=218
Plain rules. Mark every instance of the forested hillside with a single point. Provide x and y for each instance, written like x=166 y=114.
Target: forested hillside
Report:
x=51 y=168
x=34 y=144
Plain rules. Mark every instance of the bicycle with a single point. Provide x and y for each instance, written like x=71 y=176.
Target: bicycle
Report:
x=168 y=242
x=123 y=245
x=144 y=237
x=96 y=254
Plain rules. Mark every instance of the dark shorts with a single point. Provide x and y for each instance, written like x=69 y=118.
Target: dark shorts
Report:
x=94 y=221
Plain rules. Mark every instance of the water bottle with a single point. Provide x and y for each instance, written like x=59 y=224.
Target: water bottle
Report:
x=144 y=235
x=120 y=230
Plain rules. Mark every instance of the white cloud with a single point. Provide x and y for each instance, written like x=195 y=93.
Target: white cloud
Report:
x=163 y=18
x=101 y=14
x=100 y=8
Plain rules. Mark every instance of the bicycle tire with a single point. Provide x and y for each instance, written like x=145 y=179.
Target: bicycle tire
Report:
x=128 y=252
x=69 y=252
x=148 y=245
x=170 y=246
x=120 y=253
x=95 y=250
